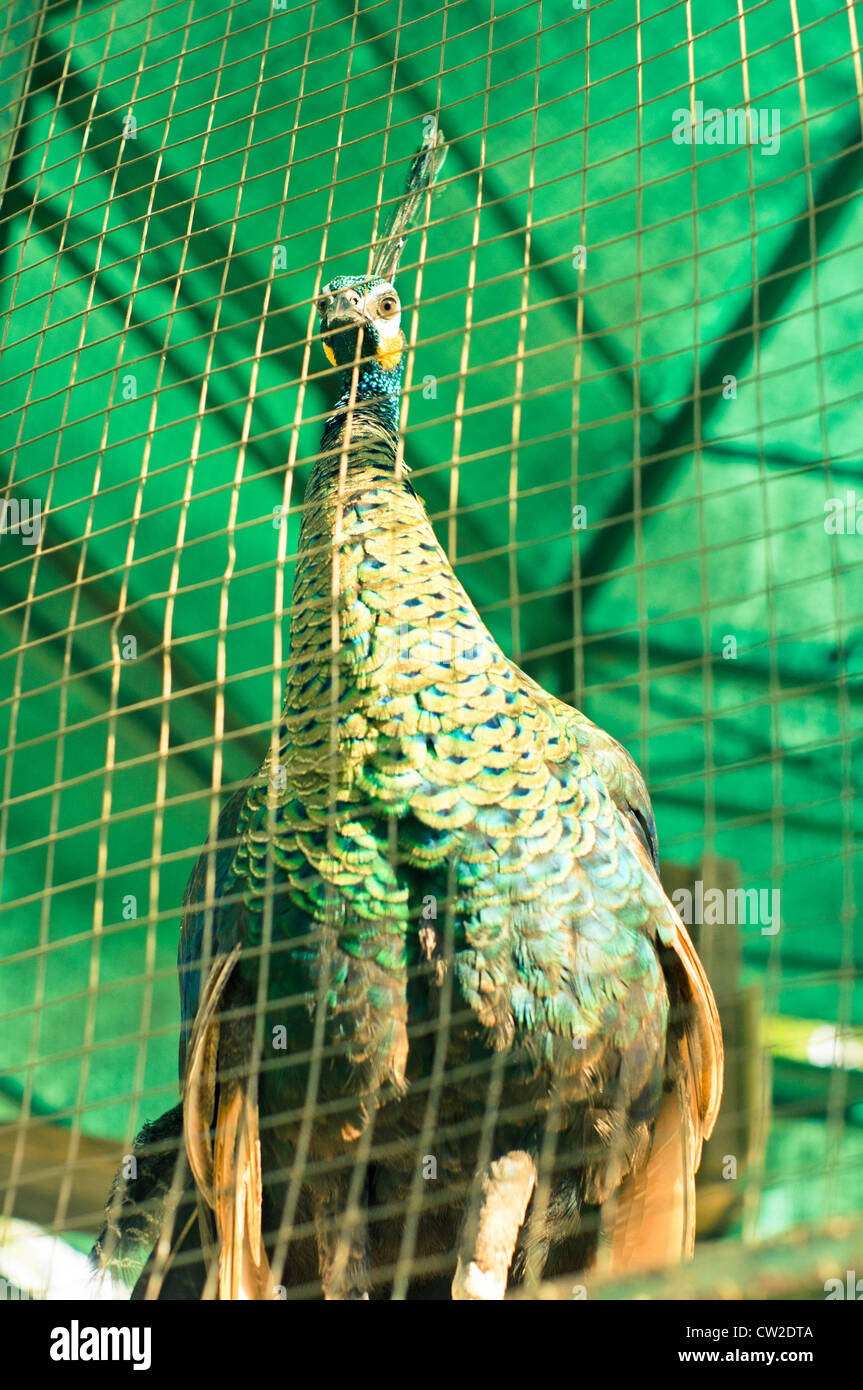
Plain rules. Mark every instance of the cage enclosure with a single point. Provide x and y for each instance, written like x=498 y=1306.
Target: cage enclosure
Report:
x=631 y=311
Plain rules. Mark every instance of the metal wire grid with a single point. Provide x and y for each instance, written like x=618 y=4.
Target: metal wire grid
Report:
x=639 y=496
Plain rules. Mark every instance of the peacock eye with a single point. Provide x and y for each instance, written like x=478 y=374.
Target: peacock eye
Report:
x=388 y=305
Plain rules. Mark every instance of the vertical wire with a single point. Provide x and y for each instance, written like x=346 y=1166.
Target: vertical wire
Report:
x=637 y=476
x=437 y=1079
x=838 y=1087
x=754 y=1189
x=282 y=545
x=25 y=628
x=547 y=1156
x=848 y=848
x=163 y=1247
x=164 y=715
x=414 y=1204
x=167 y=681
x=224 y=594
x=264 y=958
x=45 y=912
x=458 y=422
x=700 y=504
x=29 y=100
x=376 y=221
x=9 y=25
x=20 y=658
x=173 y=582
x=708 y=698
x=495 y=1087
x=111 y=734
x=349 y=1218
x=18 y=110
x=518 y=389
x=418 y=279
x=313 y=1077
x=207 y=949
x=855 y=55
x=578 y=665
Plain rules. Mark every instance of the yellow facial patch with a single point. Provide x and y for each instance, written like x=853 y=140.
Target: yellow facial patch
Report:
x=389 y=354
x=329 y=354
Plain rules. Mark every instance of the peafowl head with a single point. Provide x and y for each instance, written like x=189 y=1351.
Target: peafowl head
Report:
x=360 y=317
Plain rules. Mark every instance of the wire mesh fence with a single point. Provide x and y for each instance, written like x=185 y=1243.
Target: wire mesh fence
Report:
x=630 y=406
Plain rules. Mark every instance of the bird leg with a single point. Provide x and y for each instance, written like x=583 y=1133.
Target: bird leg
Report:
x=342 y=1240
x=496 y=1209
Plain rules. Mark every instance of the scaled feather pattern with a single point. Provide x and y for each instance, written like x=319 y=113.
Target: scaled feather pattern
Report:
x=428 y=965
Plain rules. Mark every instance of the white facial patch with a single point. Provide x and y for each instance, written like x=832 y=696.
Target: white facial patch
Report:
x=376 y=307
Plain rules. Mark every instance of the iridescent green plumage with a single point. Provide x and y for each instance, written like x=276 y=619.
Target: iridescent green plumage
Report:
x=434 y=845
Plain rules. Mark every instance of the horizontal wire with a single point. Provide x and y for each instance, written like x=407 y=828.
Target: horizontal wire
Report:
x=753 y=875
x=660 y=787
x=353 y=111
x=280 y=78
x=469 y=1072
x=657 y=509
x=488 y=164
x=475 y=557
x=600 y=375
x=442 y=337
x=705 y=163
x=511 y=547
x=182 y=750
x=772 y=643
x=531 y=654
x=801 y=980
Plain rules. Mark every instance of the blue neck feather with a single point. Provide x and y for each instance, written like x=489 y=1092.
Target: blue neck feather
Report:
x=378 y=393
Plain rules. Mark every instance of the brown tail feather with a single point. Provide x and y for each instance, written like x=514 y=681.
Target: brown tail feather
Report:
x=238 y=1189
x=652 y=1217
x=651 y=1220
x=199 y=1092
x=704 y=1034
x=227 y=1172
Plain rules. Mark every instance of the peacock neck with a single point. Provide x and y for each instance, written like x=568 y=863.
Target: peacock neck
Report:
x=377 y=613
x=365 y=539
x=358 y=502
x=385 y=409
x=350 y=437
x=376 y=397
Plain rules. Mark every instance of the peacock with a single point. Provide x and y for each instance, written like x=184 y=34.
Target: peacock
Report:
x=442 y=1030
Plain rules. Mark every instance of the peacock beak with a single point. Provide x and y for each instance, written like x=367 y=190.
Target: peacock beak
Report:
x=340 y=330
